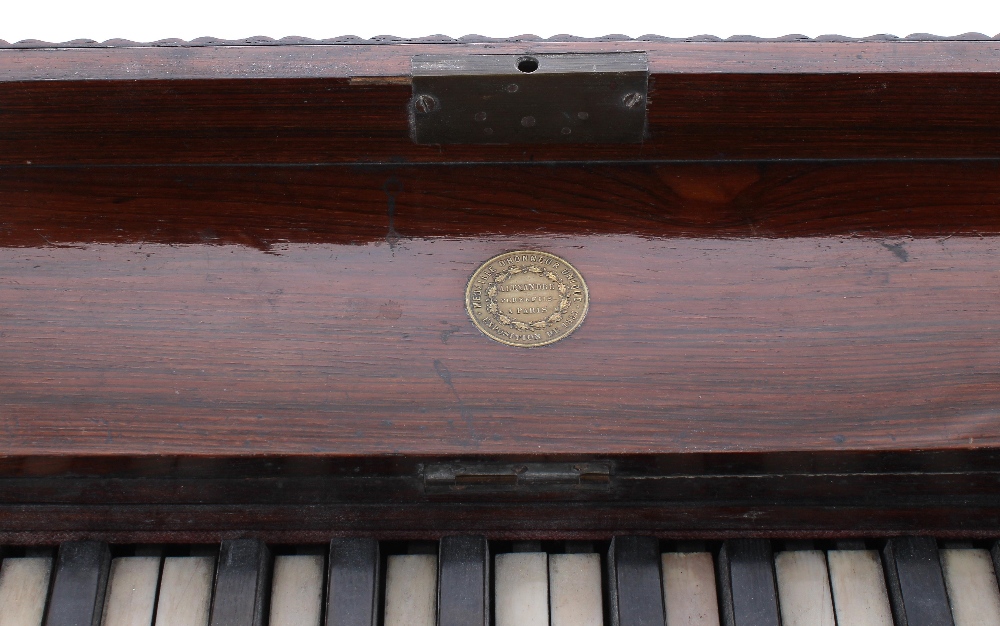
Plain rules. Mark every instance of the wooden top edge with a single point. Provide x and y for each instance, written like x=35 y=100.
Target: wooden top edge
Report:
x=381 y=40
x=350 y=60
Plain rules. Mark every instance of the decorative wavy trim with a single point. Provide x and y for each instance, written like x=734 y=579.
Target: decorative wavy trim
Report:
x=389 y=39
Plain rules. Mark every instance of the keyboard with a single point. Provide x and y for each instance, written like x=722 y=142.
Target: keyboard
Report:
x=467 y=580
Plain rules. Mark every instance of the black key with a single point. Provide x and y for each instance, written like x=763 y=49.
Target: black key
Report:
x=915 y=582
x=464 y=582
x=352 y=596
x=748 y=592
x=81 y=578
x=635 y=593
x=242 y=583
x=995 y=553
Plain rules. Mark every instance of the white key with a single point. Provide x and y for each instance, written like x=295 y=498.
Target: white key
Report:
x=858 y=585
x=411 y=590
x=132 y=591
x=575 y=591
x=24 y=586
x=297 y=590
x=804 y=588
x=185 y=591
x=972 y=587
x=689 y=589
x=522 y=589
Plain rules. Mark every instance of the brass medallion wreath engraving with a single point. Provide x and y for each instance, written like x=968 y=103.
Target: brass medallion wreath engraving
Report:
x=526 y=298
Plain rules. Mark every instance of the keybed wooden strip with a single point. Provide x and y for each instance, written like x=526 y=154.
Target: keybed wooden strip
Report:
x=241 y=584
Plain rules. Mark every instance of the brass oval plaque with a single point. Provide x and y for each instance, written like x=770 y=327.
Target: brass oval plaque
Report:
x=526 y=298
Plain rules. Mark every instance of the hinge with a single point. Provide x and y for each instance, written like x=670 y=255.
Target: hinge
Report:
x=490 y=477
x=530 y=98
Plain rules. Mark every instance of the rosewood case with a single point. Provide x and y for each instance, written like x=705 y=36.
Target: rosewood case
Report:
x=232 y=297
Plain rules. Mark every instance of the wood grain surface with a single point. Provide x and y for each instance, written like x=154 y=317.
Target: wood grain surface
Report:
x=690 y=117
x=309 y=344
x=349 y=104
x=231 y=298
x=267 y=207
x=134 y=63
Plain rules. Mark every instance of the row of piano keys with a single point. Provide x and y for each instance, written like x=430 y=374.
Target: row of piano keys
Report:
x=468 y=581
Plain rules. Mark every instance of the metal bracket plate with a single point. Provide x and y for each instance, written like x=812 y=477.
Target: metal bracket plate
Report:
x=520 y=477
x=530 y=98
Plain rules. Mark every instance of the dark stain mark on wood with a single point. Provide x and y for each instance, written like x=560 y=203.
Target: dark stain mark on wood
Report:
x=898 y=249
x=445 y=375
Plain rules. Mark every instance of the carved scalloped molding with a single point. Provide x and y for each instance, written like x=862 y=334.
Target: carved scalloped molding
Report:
x=389 y=39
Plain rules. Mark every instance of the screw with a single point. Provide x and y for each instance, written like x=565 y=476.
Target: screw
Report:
x=632 y=100
x=527 y=121
x=424 y=103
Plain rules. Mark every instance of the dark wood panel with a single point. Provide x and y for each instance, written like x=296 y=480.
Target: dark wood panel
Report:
x=858 y=488
x=268 y=207
x=33 y=525
x=713 y=116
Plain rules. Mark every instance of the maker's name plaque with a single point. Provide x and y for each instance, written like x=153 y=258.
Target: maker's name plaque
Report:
x=527 y=298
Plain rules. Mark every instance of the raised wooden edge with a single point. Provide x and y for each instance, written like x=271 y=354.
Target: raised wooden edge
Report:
x=393 y=61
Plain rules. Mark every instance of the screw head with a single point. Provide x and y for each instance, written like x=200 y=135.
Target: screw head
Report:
x=425 y=103
x=632 y=100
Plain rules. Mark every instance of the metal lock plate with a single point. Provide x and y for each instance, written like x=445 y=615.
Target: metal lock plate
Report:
x=531 y=98
x=519 y=477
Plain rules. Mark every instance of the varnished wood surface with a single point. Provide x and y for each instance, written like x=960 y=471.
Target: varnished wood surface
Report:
x=810 y=344
x=46 y=525
x=350 y=339
x=366 y=61
x=267 y=207
x=349 y=104
x=691 y=117
x=795 y=337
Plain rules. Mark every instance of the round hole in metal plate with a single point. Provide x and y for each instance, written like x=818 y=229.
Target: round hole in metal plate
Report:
x=527 y=64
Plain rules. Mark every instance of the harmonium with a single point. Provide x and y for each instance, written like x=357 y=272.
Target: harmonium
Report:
x=522 y=332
